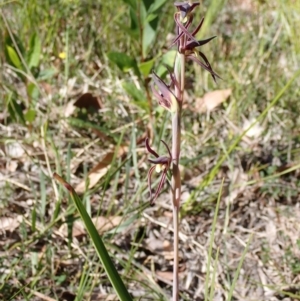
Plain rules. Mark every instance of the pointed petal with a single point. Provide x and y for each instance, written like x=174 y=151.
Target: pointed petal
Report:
x=161 y=99
x=162 y=86
x=198 y=27
x=192 y=44
x=149 y=149
x=168 y=149
x=159 y=188
x=208 y=68
x=165 y=96
x=213 y=74
x=174 y=81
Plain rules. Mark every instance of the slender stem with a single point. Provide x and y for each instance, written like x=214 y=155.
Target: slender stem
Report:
x=176 y=257
x=176 y=180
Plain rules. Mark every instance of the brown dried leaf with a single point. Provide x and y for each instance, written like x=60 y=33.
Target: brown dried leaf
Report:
x=101 y=223
x=77 y=230
x=93 y=179
x=47 y=87
x=104 y=224
x=102 y=136
x=87 y=100
x=165 y=275
x=10 y=223
x=211 y=100
x=99 y=170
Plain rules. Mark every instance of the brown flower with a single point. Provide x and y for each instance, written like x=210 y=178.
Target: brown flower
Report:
x=164 y=94
x=161 y=164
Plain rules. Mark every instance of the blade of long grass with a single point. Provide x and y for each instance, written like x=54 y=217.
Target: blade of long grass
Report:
x=237 y=273
x=104 y=257
x=212 y=236
x=212 y=289
x=43 y=197
x=274 y=176
x=212 y=12
x=84 y=279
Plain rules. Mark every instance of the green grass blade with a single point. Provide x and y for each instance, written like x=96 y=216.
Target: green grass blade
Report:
x=212 y=289
x=238 y=269
x=212 y=236
x=104 y=257
x=212 y=12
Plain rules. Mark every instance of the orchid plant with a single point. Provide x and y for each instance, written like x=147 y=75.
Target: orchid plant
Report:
x=170 y=97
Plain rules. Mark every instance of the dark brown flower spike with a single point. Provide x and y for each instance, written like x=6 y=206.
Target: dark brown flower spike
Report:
x=161 y=164
x=186 y=41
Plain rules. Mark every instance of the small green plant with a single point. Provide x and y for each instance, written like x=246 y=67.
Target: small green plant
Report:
x=24 y=63
x=24 y=60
